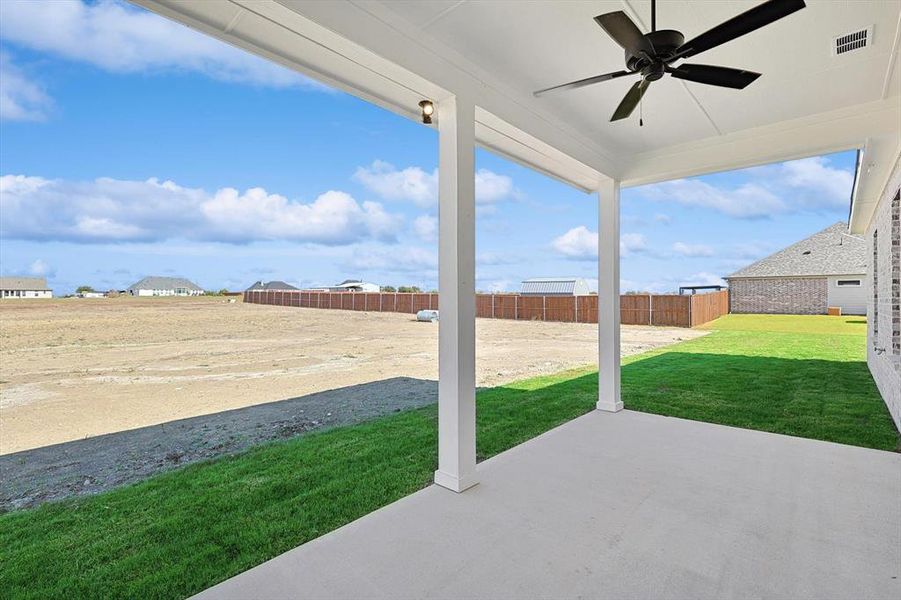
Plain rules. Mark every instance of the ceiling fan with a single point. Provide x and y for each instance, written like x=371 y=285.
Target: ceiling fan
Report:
x=652 y=55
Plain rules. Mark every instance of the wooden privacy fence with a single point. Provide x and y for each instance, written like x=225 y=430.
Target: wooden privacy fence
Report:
x=707 y=307
x=644 y=309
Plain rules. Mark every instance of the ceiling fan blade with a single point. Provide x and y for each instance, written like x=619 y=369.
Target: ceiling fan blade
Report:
x=748 y=21
x=582 y=82
x=630 y=100
x=624 y=32
x=722 y=76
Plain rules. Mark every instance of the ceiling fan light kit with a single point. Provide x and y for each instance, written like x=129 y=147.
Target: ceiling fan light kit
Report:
x=651 y=55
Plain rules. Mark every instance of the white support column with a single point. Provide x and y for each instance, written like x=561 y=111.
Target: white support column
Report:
x=608 y=297
x=456 y=296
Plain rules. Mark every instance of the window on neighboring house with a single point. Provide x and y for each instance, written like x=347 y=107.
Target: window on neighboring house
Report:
x=848 y=283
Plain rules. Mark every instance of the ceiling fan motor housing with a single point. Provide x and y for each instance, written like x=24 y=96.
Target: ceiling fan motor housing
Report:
x=665 y=43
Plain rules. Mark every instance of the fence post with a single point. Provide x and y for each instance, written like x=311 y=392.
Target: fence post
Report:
x=575 y=309
x=492 y=305
x=689 y=311
x=544 y=308
x=650 y=309
x=516 y=307
x=380 y=301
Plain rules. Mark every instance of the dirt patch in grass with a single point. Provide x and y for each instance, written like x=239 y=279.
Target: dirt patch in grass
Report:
x=100 y=463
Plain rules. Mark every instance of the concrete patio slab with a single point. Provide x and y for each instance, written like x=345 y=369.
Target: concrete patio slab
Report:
x=624 y=505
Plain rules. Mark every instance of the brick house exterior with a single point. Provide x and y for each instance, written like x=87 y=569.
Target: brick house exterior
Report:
x=783 y=295
x=884 y=298
x=826 y=269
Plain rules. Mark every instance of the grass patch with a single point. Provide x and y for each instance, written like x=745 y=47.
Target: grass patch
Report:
x=797 y=375
x=798 y=324
x=180 y=532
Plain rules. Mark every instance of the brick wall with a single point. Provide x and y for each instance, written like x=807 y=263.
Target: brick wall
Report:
x=884 y=296
x=778 y=295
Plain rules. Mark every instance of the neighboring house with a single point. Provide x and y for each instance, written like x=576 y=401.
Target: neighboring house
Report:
x=880 y=221
x=91 y=295
x=164 y=286
x=828 y=269
x=271 y=285
x=24 y=287
x=354 y=285
x=554 y=286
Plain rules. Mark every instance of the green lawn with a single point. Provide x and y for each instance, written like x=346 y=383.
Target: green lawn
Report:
x=180 y=532
x=847 y=325
x=751 y=372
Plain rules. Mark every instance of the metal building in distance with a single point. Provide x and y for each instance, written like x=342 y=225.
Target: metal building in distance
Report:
x=555 y=286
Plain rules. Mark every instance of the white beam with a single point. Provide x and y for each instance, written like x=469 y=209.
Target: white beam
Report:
x=456 y=295
x=608 y=297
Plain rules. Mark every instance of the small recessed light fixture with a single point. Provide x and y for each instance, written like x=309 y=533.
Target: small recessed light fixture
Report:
x=427 y=109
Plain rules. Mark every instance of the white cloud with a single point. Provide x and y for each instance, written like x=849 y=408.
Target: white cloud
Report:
x=421 y=187
x=632 y=243
x=411 y=183
x=39 y=268
x=692 y=250
x=491 y=187
x=809 y=184
x=578 y=242
x=411 y=259
x=119 y=38
x=111 y=210
x=822 y=185
x=20 y=98
x=748 y=201
x=426 y=228
x=582 y=243
x=662 y=219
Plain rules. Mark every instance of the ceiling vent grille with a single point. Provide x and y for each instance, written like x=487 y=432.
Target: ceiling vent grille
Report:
x=852 y=41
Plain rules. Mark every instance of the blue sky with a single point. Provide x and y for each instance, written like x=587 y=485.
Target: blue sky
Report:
x=132 y=146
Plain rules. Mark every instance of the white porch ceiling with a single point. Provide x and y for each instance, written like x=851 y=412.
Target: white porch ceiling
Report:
x=534 y=45
x=497 y=52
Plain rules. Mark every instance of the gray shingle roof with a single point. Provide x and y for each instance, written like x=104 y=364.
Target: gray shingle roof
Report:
x=24 y=284
x=829 y=252
x=164 y=283
x=271 y=285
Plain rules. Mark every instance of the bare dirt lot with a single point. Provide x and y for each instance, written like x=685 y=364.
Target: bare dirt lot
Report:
x=72 y=369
